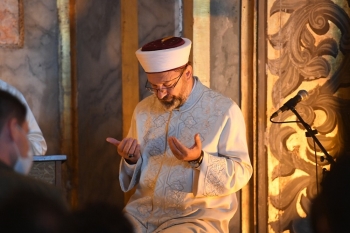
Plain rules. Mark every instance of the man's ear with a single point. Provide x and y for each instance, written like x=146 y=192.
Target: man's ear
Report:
x=13 y=131
x=188 y=71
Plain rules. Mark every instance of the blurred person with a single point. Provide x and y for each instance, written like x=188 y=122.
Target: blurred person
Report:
x=33 y=212
x=330 y=208
x=186 y=152
x=35 y=136
x=100 y=218
x=15 y=157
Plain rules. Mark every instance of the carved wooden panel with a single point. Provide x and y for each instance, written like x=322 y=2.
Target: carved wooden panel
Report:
x=44 y=171
x=309 y=48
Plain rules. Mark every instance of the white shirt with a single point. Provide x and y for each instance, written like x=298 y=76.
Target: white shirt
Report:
x=35 y=136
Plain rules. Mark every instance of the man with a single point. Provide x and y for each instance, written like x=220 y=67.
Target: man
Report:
x=15 y=161
x=35 y=136
x=186 y=150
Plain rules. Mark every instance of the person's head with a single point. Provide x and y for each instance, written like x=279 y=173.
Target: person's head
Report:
x=13 y=133
x=169 y=73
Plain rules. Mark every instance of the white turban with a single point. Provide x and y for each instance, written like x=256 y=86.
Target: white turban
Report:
x=161 y=55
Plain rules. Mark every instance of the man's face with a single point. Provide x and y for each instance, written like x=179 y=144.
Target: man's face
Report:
x=170 y=96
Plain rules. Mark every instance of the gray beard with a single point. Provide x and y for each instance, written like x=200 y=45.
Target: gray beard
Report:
x=174 y=103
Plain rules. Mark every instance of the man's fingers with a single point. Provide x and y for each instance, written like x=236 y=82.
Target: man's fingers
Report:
x=172 y=146
x=181 y=148
x=113 y=141
x=181 y=152
x=128 y=148
x=125 y=145
x=197 y=140
x=177 y=148
x=132 y=148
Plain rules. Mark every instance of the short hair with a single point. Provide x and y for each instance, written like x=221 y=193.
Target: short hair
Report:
x=11 y=107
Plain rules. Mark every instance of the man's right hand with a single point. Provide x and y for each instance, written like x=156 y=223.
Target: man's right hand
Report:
x=128 y=148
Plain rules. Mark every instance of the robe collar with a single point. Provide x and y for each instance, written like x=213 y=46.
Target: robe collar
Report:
x=195 y=94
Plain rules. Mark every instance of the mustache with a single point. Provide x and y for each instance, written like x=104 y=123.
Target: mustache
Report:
x=167 y=102
x=166 y=99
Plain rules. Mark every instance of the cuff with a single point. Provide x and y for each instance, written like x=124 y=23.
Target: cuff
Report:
x=129 y=168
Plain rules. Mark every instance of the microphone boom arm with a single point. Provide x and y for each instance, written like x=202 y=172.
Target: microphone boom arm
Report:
x=311 y=133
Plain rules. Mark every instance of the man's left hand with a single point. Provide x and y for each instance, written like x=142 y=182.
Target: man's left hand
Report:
x=181 y=152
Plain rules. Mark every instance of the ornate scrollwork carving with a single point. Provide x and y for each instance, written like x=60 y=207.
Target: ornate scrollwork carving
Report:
x=308 y=54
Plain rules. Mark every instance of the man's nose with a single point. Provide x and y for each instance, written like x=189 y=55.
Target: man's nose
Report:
x=161 y=93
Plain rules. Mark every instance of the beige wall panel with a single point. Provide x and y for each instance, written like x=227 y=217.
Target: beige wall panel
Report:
x=130 y=78
x=201 y=40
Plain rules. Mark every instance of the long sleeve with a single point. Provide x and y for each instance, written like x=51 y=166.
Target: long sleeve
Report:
x=129 y=174
x=230 y=169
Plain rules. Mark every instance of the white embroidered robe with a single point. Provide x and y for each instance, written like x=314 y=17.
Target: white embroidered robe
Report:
x=168 y=191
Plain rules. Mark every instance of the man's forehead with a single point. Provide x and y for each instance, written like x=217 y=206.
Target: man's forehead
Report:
x=162 y=77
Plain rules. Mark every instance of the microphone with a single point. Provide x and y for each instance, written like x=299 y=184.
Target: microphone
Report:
x=302 y=94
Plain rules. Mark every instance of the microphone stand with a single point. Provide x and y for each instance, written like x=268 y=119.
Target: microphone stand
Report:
x=311 y=133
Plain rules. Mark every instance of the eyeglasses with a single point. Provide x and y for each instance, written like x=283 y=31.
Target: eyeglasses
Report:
x=167 y=88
